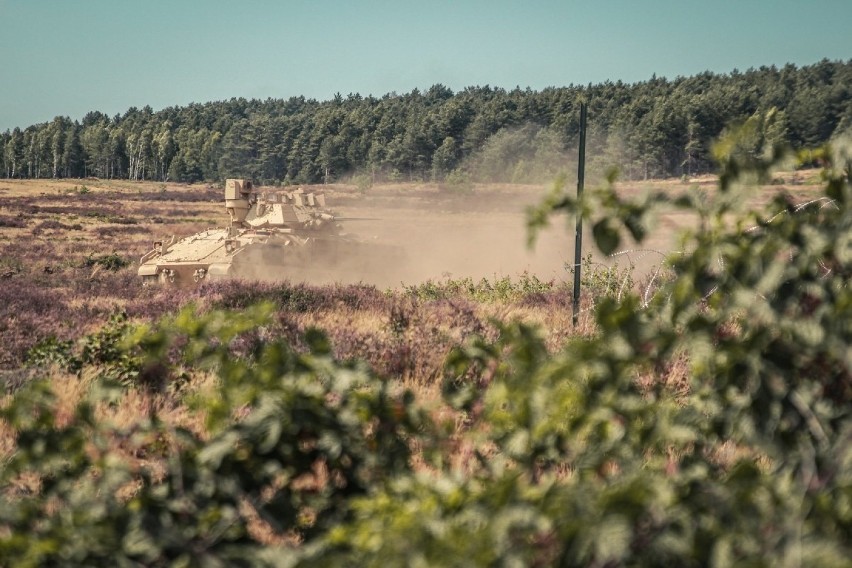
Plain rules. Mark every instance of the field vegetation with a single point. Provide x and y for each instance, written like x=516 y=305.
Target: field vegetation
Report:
x=702 y=418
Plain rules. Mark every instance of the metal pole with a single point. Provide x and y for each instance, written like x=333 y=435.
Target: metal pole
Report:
x=578 y=238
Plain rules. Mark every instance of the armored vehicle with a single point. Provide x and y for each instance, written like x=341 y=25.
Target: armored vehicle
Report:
x=272 y=235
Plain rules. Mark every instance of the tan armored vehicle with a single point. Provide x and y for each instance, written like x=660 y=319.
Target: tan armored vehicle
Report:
x=272 y=235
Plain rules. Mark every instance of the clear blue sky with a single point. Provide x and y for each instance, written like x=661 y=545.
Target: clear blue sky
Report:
x=68 y=57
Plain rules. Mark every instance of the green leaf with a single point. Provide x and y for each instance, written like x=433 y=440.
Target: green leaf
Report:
x=606 y=236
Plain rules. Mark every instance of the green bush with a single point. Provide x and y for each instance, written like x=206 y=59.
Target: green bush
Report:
x=502 y=289
x=111 y=261
x=459 y=181
x=363 y=182
x=599 y=280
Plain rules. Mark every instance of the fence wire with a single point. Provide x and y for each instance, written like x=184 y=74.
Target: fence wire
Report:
x=636 y=256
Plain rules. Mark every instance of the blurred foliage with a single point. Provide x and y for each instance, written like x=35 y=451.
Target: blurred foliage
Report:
x=562 y=458
x=313 y=435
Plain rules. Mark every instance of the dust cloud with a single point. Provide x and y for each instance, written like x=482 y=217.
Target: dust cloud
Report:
x=411 y=239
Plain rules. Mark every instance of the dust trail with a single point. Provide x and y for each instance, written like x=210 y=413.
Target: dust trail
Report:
x=414 y=236
x=411 y=239
x=465 y=242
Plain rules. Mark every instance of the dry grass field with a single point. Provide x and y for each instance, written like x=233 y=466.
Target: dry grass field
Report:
x=69 y=250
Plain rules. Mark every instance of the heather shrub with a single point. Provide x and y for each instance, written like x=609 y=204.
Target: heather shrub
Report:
x=194 y=196
x=152 y=303
x=295 y=297
x=110 y=232
x=235 y=294
x=119 y=219
x=67 y=210
x=53 y=225
x=552 y=299
x=28 y=315
x=12 y=222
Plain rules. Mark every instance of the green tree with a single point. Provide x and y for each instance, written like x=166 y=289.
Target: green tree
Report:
x=657 y=127
x=72 y=153
x=445 y=158
x=56 y=134
x=163 y=149
x=14 y=154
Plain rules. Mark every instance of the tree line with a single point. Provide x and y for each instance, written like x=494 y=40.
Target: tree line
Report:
x=653 y=128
